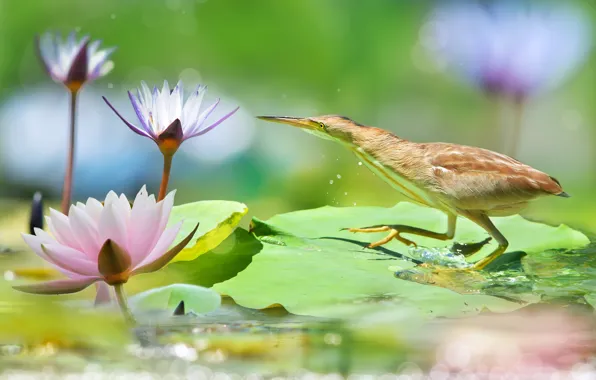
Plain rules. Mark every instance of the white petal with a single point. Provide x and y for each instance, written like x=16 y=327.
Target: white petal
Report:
x=168 y=204
x=192 y=107
x=112 y=226
x=94 y=209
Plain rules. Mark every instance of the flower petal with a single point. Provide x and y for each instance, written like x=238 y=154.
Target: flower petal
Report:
x=94 y=208
x=84 y=229
x=157 y=259
x=192 y=109
x=201 y=119
x=112 y=226
x=144 y=229
x=142 y=114
x=70 y=259
x=60 y=227
x=134 y=128
x=168 y=204
x=35 y=242
x=58 y=286
x=216 y=123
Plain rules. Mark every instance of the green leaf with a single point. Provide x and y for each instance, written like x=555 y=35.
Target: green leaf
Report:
x=196 y=298
x=522 y=234
x=307 y=263
x=223 y=262
x=217 y=220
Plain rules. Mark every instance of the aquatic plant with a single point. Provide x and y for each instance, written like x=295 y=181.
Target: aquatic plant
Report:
x=166 y=119
x=73 y=63
x=107 y=242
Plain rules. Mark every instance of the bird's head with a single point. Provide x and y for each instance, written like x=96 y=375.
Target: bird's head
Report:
x=330 y=127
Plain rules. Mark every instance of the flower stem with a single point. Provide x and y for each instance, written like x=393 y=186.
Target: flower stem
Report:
x=121 y=297
x=165 y=177
x=518 y=122
x=67 y=188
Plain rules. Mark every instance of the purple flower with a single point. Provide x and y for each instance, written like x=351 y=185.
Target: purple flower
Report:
x=73 y=62
x=166 y=119
x=508 y=48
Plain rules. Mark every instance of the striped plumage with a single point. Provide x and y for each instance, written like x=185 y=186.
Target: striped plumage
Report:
x=460 y=180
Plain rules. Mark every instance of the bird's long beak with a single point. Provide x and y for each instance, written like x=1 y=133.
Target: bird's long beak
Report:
x=293 y=121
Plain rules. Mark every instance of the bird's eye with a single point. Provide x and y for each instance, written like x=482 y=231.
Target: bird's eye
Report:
x=322 y=126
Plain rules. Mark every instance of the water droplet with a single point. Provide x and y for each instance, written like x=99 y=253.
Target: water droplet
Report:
x=9 y=275
x=360 y=163
x=113 y=16
x=346 y=193
x=331 y=182
x=354 y=203
x=339 y=176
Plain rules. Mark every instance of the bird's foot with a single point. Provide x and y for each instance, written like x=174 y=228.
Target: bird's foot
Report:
x=457 y=279
x=468 y=249
x=393 y=234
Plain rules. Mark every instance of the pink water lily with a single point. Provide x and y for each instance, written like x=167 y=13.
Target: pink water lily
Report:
x=106 y=242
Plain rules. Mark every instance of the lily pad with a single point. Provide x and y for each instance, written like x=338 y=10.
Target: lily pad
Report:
x=223 y=262
x=522 y=234
x=217 y=220
x=307 y=262
x=196 y=298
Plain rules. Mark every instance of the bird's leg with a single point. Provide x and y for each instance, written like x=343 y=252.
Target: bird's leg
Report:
x=458 y=279
x=395 y=231
x=484 y=221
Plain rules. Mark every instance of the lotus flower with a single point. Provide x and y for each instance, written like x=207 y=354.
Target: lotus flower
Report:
x=106 y=242
x=508 y=48
x=73 y=62
x=165 y=118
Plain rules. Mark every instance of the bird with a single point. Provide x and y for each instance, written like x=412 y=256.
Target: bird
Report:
x=458 y=180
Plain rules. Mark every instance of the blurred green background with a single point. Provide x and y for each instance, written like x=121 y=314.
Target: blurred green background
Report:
x=362 y=59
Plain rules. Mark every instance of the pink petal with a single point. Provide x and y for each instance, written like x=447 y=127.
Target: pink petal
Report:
x=165 y=240
x=58 y=286
x=85 y=231
x=112 y=226
x=60 y=228
x=35 y=242
x=144 y=229
x=71 y=259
